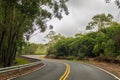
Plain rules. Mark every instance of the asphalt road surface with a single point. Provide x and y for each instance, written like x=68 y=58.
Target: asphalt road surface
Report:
x=52 y=71
x=78 y=71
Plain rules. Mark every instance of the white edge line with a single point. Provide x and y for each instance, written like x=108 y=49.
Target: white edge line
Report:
x=107 y=72
x=30 y=71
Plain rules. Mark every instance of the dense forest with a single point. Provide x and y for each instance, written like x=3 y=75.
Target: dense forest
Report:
x=103 y=43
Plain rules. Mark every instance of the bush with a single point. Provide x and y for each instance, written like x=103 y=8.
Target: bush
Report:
x=71 y=57
x=118 y=57
x=101 y=44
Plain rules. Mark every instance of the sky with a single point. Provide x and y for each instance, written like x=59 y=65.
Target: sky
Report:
x=81 y=13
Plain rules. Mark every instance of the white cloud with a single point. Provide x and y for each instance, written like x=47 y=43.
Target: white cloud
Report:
x=81 y=12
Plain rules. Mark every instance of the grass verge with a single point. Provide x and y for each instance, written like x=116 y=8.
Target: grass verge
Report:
x=20 y=61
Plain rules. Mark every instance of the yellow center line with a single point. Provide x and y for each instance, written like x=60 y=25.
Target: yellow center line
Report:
x=66 y=73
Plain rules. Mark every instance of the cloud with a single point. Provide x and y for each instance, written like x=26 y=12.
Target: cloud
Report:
x=81 y=12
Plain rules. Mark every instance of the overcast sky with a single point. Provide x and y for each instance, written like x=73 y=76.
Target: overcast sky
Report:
x=81 y=12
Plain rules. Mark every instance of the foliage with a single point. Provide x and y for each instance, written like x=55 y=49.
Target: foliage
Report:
x=103 y=43
x=32 y=48
x=53 y=39
x=100 y=21
x=117 y=2
x=17 y=22
x=20 y=61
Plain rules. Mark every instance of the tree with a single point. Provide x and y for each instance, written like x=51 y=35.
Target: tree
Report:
x=100 y=21
x=117 y=2
x=78 y=35
x=53 y=40
x=104 y=44
x=63 y=47
x=18 y=19
x=117 y=40
x=53 y=37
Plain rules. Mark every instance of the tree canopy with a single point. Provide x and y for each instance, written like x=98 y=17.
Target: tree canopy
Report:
x=104 y=43
x=18 y=19
x=100 y=21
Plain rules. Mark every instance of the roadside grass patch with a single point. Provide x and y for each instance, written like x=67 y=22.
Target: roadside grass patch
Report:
x=20 y=61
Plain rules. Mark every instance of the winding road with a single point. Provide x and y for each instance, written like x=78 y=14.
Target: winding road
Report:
x=55 y=69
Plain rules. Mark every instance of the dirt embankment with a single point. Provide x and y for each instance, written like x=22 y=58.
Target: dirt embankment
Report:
x=111 y=67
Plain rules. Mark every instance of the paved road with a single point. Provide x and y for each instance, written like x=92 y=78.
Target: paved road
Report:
x=78 y=71
x=52 y=71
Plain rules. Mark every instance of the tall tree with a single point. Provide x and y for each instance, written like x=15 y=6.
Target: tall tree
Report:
x=18 y=19
x=117 y=2
x=100 y=21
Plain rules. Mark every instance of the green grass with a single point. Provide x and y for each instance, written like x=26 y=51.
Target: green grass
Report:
x=42 y=56
x=118 y=57
x=74 y=59
x=20 y=61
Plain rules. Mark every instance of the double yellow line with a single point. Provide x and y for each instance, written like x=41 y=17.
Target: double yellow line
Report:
x=66 y=73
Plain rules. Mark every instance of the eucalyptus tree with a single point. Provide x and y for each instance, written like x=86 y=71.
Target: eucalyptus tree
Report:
x=100 y=21
x=18 y=19
x=117 y=2
x=117 y=35
x=53 y=37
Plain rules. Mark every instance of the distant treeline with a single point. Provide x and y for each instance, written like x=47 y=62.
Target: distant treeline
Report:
x=32 y=48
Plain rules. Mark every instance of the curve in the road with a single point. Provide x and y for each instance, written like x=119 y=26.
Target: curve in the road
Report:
x=52 y=71
x=81 y=71
x=75 y=71
x=108 y=72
